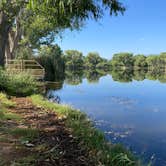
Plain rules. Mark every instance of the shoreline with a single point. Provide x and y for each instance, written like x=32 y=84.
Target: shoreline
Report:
x=91 y=143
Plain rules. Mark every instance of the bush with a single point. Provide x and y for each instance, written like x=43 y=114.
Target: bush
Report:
x=17 y=84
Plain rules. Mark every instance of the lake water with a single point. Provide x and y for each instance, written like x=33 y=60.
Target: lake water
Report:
x=132 y=112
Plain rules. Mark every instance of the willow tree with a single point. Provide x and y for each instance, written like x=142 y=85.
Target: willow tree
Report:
x=40 y=21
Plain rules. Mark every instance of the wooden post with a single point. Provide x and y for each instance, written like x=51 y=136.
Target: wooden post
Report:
x=21 y=65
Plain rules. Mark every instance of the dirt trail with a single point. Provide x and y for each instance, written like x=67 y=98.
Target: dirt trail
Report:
x=53 y=145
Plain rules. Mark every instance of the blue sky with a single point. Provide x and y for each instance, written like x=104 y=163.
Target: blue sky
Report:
x=141 y=29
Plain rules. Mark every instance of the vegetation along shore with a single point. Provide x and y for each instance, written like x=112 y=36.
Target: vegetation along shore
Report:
x=35 y=131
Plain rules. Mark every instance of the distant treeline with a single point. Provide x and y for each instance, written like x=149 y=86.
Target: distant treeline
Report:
x=75 y=60
x=130 y=61
x=93 y=76
x=56 y=62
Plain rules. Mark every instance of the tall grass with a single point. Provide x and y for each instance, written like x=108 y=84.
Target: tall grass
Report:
x=17 y=84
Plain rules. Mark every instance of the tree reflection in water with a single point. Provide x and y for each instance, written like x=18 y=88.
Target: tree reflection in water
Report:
x=73 y=77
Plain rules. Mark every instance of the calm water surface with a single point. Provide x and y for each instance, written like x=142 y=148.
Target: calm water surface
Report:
x=131 y=113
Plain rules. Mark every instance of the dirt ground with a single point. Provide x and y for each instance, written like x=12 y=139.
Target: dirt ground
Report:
x=52 y=143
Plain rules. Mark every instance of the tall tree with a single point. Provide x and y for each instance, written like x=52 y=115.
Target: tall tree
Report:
x=38 y=21
x=92 y=60
x=73 y=59
x=122 y=60
x=153 y=61
x=140 y=61
x=9 y=19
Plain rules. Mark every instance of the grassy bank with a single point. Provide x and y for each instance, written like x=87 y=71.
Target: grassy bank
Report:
x=100 y=151
x=78 y=126
x=20 y=124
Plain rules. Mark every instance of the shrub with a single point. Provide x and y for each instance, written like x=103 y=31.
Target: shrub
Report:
x=17 y=84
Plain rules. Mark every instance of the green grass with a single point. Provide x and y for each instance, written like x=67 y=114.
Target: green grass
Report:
x=100 y=151
x=5 y=102
x=28 y=133
x=5 y=115
x=25 y=133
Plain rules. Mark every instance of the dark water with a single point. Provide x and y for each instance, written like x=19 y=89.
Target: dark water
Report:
x=127 y=111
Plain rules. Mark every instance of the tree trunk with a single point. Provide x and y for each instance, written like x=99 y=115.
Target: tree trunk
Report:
x=2 y=49
x=4 y=30
x=8 y=54
x=13 y=39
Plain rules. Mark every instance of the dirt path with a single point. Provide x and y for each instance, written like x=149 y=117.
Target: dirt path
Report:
x=39 y=138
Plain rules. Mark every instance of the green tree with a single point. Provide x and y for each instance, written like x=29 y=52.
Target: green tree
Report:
x=92 y=60
x=103 y=66
x=122 y=60
x=162 y=58
x=140 y=61
x=24 y=53
x=39 y=21
x=73 y=60
x=153 y=61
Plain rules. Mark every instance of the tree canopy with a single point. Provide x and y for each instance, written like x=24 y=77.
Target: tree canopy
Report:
x=74 y=59
x=92 y=60
x=122 y=60
x=140 y=61
x=36 y=22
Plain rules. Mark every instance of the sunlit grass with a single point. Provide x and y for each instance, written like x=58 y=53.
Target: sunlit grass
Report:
x=25 y=133
x=5 y=115
x=4 y=101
